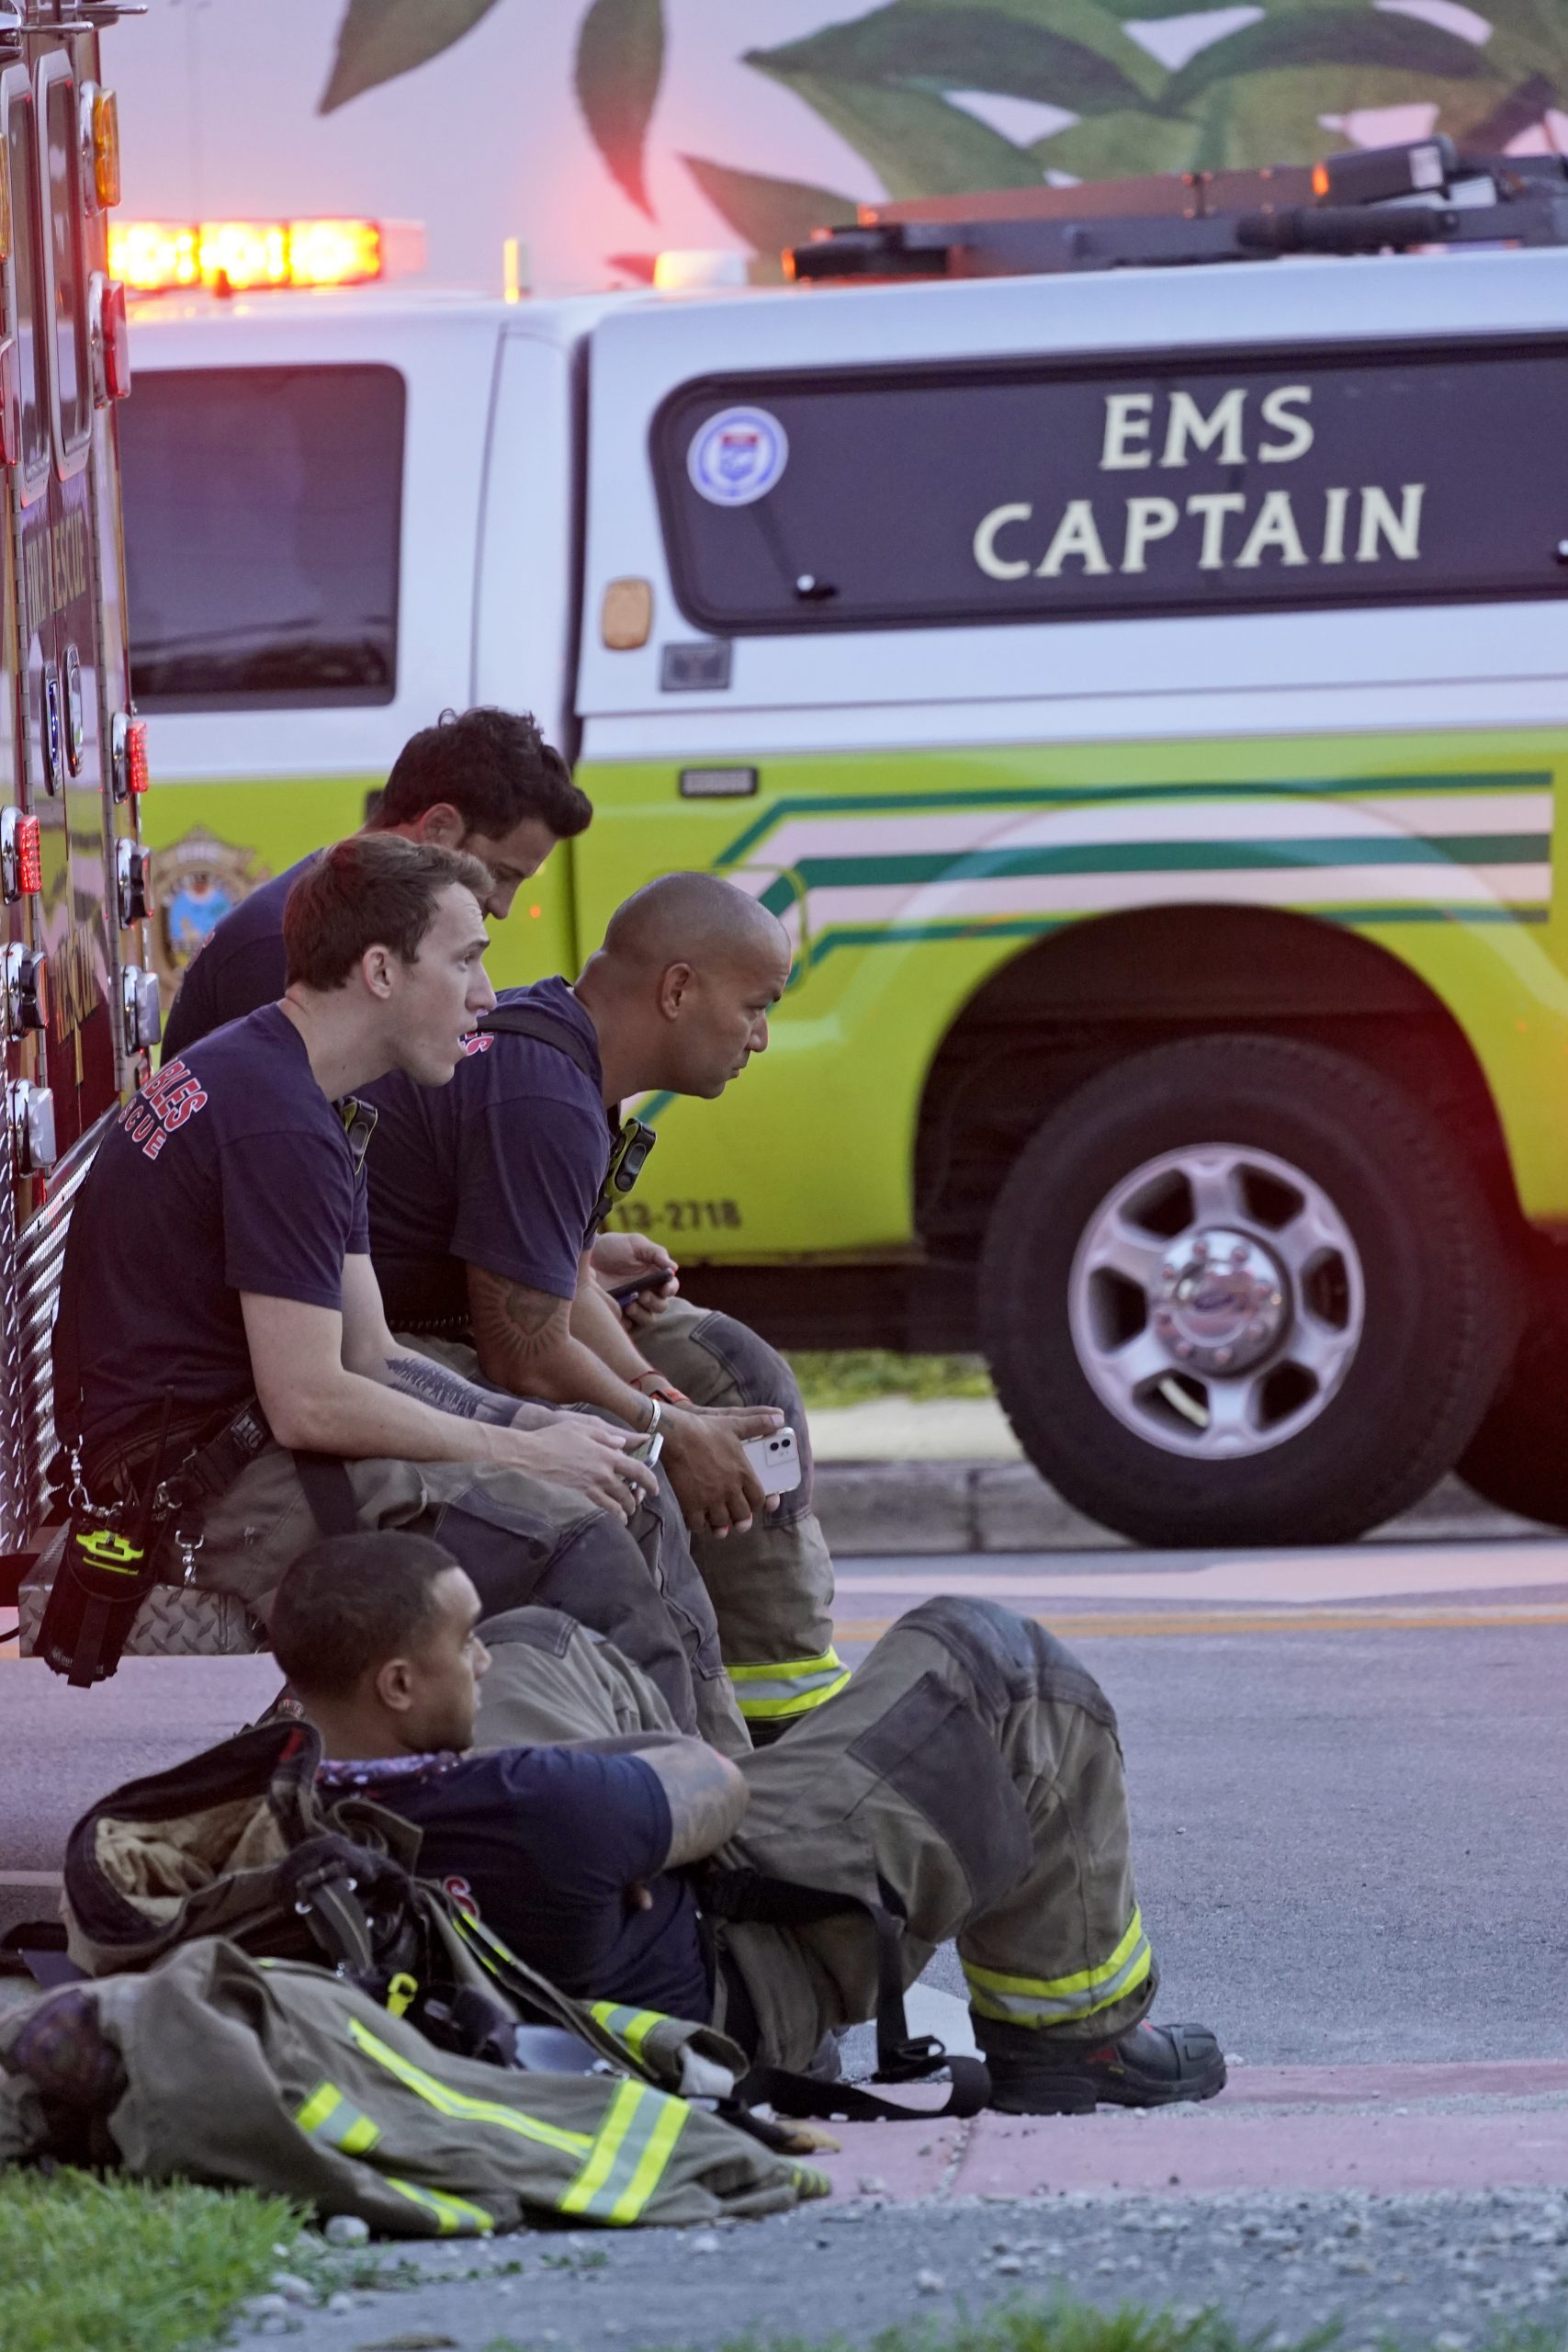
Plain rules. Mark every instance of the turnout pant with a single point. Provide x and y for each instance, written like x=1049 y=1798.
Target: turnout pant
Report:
x=521 y=1540
x=772 y=1588
x=969 y=1776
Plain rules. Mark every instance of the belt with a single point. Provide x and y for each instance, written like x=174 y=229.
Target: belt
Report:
x=216 y=1452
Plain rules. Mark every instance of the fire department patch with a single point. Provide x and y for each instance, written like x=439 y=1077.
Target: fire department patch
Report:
x=199 y=880
x=737 y=455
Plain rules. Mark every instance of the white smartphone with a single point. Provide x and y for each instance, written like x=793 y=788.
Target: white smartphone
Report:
x=777 y=1461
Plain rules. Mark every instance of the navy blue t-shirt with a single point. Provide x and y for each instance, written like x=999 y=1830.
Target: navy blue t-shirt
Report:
x=503 y=1169
x=545 y=1842
x=240 y=967
x=230 y=1171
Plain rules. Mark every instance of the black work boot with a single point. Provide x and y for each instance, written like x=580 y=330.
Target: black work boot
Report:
x=1150 y=2065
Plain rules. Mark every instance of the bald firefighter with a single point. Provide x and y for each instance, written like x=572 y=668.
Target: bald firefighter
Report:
x=484 y=1208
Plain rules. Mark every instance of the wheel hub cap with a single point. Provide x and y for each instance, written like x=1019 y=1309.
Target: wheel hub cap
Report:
x=1216 y=1301
x=1221 y=1301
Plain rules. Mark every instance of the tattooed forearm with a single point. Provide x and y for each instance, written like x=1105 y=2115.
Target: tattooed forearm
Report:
x=447 y=1391
x=707 y=1797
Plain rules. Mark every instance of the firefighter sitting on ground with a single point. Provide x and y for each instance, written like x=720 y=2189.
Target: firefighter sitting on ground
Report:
x=969 y=1777
x=217 y=1258
x=482 y=1215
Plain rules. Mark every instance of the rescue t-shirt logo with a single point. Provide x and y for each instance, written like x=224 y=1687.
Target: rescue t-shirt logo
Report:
x=479 y=1043
x=161 y=1107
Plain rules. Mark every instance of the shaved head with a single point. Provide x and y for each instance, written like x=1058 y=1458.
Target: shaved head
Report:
x=694 y=919
x=682 y=988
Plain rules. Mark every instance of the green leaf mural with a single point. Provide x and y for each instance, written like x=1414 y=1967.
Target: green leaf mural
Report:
x=889 y=82
x=770 y=214
x=620 y=62
x=379 y=40
x=916 y=143
x=914 y=44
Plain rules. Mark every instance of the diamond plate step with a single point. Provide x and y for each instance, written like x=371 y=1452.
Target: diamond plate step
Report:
x=174 y=1621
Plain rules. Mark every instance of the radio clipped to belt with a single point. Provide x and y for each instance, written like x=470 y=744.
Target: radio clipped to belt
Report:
x=106 y=1572
x=634 y=1139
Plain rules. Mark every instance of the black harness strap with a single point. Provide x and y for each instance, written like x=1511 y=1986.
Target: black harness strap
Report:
x=747 y=1894
x=328 y=1490
x=514 y=1019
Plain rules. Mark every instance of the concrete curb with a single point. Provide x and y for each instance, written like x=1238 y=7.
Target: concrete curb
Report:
x=1383 y=2130
x=869 y=1509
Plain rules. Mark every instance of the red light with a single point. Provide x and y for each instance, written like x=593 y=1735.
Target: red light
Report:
x=136 y=775
x=10 y=404
x=29 y=857
x=115 y=331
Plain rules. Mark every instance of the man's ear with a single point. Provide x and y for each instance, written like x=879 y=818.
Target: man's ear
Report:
x=393 y=1685
x=674 y=989
x=443 y=825
x=375 y=970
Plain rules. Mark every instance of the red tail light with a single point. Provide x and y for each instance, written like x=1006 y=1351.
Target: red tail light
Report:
x=115 y=331
x=29 y=857
x=10 y=404
x=136 y=775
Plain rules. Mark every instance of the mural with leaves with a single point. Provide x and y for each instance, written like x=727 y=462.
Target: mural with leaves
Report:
x=893 y=84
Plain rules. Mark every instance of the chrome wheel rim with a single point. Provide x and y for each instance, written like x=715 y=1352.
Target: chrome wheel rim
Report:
x=1216 y=1301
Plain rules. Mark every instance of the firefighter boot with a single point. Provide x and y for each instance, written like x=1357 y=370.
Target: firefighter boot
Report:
x=1150 y=2066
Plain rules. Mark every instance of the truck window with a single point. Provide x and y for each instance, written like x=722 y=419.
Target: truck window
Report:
x=1222 y=482
x=23 y=276
x=73 y=387
x=263 y=508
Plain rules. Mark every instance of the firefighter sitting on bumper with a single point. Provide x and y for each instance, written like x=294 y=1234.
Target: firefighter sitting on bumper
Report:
x=483 y=1214
x=969 y=1777
x=218 y=1259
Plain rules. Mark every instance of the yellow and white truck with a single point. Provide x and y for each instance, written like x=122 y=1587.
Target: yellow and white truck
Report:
x=1124 y=636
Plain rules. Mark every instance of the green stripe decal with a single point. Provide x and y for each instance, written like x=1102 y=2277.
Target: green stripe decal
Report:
x=1171 y=857
x=1077 y=796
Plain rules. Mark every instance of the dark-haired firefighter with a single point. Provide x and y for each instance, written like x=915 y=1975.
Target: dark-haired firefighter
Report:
x=969 y=1778
x=484 y=781
x=218 y=1262
x=483 y=1206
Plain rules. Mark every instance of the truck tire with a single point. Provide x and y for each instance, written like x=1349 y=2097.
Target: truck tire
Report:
x=1518 y=1457
x=1242 y=1290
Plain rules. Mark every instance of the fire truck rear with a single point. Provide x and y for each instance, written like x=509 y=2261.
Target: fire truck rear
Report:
x=76 y=1010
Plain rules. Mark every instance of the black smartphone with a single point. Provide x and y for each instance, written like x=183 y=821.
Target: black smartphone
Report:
x=656 y=1278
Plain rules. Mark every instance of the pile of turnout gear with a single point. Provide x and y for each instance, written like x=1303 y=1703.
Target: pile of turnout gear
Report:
x=270 y=1998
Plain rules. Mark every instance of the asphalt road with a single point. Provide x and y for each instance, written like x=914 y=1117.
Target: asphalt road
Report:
x=1349 y=1778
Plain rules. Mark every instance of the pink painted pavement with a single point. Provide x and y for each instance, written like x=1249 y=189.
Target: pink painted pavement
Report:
x=1381 y=2129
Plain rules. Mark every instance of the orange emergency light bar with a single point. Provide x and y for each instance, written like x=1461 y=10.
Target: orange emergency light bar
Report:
x=240 y=257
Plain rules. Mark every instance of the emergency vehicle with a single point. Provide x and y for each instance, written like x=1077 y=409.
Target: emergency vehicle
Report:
x=78 y=997
x=1121 y=630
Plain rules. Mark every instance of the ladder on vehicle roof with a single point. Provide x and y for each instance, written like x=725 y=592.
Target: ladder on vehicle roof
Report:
x=1367 y=200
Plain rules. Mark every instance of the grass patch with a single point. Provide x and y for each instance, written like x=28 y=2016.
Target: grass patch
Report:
x=1059 y=2326
x=830 y=1376
x=115 y=2266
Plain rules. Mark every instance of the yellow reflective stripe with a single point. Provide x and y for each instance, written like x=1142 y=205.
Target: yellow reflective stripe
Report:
x=1049 y=1999
x=454 y=2217
x=1056 y=1987
x=656 y=2151
x=631 y=2025
x=401 y=1994
x=791 y=1687
x=319 y=2105
x=788 y=1669
x=448 y=2101
x=350 y=2130
x=629 y=2155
